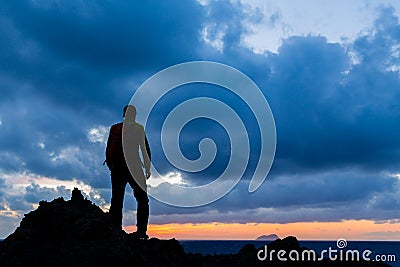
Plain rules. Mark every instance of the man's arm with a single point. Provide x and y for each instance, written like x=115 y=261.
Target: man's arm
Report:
x=146 y=154
x=108 y=148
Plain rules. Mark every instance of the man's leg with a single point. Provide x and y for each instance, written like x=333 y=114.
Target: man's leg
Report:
x=142 y=214
x=140 y=194
x=118 y=183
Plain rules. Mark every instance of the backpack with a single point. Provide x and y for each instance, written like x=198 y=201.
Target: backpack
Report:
x=114 y=149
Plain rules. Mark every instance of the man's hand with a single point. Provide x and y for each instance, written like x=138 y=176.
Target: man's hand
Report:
x=148 y=174
x=110 y=165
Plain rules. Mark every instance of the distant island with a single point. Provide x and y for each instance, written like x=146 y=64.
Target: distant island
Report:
x=270 y=237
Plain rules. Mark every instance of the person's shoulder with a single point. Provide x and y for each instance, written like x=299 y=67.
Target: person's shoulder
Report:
x=116 y=126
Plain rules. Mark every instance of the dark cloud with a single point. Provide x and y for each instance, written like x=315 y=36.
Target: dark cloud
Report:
x=2 y=185
x=109 y=34
x=35 y=193
x=331 y=112
x=19 y=204
x=74 y=54
x=49 y=140
x=68 y=67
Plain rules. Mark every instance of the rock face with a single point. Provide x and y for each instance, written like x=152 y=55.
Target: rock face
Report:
x=78 y=233
x=271 y=237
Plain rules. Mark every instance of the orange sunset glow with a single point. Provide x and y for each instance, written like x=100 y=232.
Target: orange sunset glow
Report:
x=351 y=230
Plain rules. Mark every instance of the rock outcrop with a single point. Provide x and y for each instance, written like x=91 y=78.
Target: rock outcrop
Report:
x=78 y=233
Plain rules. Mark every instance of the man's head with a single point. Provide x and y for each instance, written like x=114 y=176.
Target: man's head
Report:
x=129 y=112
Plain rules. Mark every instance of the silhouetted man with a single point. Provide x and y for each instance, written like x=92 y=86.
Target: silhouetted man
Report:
x=134 y=139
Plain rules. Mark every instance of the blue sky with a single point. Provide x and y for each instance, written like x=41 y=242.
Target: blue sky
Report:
x=330 y=71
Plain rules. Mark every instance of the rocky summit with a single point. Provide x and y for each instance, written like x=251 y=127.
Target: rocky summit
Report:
x=78 y=233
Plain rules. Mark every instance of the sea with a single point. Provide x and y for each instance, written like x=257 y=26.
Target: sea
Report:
x=387 y=251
